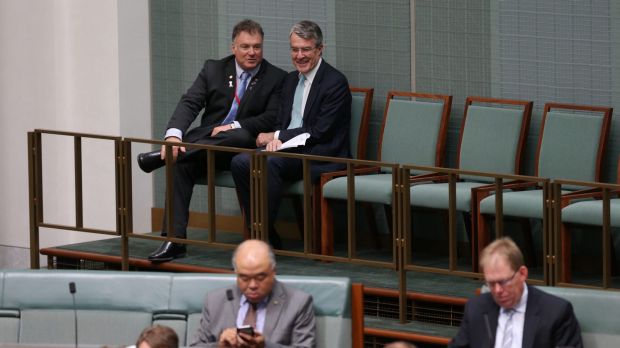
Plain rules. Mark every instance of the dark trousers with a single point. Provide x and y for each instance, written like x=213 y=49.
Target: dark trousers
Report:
x=193 y=165
x=279 y=170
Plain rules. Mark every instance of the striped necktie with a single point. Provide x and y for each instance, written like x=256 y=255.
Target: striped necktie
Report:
x=507 y=339
x=241 y=86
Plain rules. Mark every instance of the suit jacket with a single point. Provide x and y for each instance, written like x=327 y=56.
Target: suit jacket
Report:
x=549 y=322
x=327 y=114
x=289 y=321
x=214 y=91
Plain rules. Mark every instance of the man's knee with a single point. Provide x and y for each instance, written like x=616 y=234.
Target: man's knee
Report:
x=240 y=163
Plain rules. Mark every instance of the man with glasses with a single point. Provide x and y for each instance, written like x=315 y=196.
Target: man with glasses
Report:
x=280 y=316
x=238 y=97
x=316 y=105
x=513 y=314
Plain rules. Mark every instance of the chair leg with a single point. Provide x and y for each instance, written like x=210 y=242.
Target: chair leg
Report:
x=298 y=207
x=565 y=245
x=481 y=240
x=327 y=228
x=528 y=239
x=372 y=224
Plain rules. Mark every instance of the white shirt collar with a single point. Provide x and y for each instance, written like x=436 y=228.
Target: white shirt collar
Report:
x=239 y=70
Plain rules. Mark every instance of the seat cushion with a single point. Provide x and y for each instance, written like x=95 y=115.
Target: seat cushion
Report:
x=368 y=188
x=436 y=195
x=591 y=213
x=527 y=204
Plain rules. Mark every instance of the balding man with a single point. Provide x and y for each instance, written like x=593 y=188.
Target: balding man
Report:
x=280 y=316
x=514 y=314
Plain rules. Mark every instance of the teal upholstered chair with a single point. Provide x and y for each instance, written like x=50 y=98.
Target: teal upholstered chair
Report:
x=586 y=208
x=358 y=134
x=570 y=146
x=413 y=131
x=492 y=139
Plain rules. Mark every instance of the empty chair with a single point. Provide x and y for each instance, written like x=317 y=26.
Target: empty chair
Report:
x=414 y=130
x=570 y=146
x=586 y=208
x=492 y=139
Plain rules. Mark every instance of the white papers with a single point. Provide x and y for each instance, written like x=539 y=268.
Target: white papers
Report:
x=299 y=140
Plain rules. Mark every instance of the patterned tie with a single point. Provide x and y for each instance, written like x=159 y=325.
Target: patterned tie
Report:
x=297 y=114
x=250 y=316
x=507 y=340
x=232 y=114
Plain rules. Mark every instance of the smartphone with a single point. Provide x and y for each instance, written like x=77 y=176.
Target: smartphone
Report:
x=246 y=329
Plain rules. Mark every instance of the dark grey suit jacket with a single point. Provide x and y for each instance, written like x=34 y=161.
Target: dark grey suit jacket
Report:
x=289 y=321
x=327 y=114
x=214 y=91
x=549 y=322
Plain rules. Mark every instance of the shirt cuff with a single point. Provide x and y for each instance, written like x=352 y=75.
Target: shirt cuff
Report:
x=276 y=135
x=174 y=132
x=236 y=124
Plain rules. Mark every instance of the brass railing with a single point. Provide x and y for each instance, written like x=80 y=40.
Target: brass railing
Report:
x=401 y=260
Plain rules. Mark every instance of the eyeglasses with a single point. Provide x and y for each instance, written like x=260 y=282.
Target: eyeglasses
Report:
x=502 y=283
x=302 y=50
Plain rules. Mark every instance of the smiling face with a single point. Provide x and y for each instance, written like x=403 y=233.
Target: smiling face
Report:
x=255 y=273
x=505 y=283
x=248 y=49
x=305 y=54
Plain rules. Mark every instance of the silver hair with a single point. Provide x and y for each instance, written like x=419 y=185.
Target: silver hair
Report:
x=308 y=30
x=270 y=253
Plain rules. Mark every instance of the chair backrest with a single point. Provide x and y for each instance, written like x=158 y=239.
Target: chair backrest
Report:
x=360 y=116
x=493 y=135
x=572 y=141
x=596 y=311
x=414 y=129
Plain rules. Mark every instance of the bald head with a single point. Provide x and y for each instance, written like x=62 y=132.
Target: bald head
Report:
x=254 y=263
x=254 y=250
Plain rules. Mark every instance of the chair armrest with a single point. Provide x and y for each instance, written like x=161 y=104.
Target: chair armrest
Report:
x=434 y=177
x=325 y=177
x=595 y=193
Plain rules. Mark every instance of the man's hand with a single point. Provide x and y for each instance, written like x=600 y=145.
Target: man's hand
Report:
x=175 y=149
x=274 y=145
x=264 y=138
x=223 y=128
x=228 y=338
x=248 y=341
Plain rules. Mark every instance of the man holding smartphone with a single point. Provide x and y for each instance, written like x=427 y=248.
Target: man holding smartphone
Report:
x=259 y=311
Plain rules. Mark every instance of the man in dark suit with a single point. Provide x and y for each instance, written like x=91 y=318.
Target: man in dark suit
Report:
x=315 y=102
x=280 y=316
x=239 y=95
x=513 y=314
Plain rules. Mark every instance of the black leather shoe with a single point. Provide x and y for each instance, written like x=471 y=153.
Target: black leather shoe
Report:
x=149 y=161
x=168 y=251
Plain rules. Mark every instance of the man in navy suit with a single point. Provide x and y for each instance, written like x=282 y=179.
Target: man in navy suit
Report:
x=513 y=314
x=239 y=98
x=315 y=102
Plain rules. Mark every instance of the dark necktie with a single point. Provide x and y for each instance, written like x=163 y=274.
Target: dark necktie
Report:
x=250 y=316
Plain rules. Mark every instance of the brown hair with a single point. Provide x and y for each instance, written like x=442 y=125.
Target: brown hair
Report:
x=249 y=26
x=159 y=336
x=504 y=247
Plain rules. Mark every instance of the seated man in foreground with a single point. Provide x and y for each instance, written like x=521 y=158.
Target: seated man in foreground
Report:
x=279 y=316
x=513 y=314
